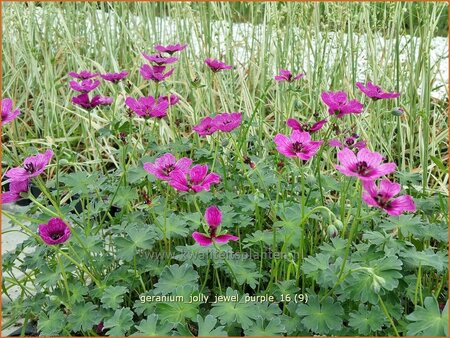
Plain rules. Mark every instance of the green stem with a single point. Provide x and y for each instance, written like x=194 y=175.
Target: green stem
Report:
x=386 y=312
x=349 y=242
x=63 y=272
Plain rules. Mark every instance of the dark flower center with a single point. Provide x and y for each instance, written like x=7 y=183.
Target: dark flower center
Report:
x=212 y=232
x=362 y=168
x=297 y=147
x=382 y=201
x=350 y=141
x=225 y=122
x=30 y=168
x=168 y=169
x=56 y=235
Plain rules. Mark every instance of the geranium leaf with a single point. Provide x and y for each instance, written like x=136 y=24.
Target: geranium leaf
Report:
x=207 y=327
x=113 y=296
x=152 y=327
x=51 y=324
x=173 y=276
x=84 y=316
x=120 y=323
x=428 y=320
x=321 y=318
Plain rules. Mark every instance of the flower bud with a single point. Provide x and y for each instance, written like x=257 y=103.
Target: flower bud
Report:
x=332 y=231
x=338 y=224
x=397 y=111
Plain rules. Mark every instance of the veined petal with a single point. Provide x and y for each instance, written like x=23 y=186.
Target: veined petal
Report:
x=225 y=238
x=202 y=239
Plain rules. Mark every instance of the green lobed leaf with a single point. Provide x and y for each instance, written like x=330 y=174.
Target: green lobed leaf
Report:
x=174 y=276
x=428 y=320
x=51 y=324
x=230 y=312
x=207 y=327
x=321 y=318
x=152 y=327
x=367 y=321
x=83 y=317
x=120 y=322
x=113 y=296
x=273 y=328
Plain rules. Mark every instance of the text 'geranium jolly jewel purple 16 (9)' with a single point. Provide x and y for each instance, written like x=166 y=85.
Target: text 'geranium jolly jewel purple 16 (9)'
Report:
x=213 y=217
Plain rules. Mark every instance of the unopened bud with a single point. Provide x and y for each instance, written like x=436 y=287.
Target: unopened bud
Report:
x=332 y=231
x=397 y=111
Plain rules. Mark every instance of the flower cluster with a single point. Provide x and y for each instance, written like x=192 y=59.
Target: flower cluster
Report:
x=156 y=71
x=88 y=84
x=225 y=122
x=368 y=166
x=179 y=174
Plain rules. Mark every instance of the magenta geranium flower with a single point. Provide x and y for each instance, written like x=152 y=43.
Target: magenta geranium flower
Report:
x=54 y=232
x=207 y=126
x=298 y=145
x=147 y=106
x=114 y=77
x=83 y=75
x=339 y=105
x=227 y=121
x=84 y=86
x=32 y=166
x=84 y=101
x=172 y=99
x=170 y=49
x=167 y=164
x=15 y=188
x=217 y=65
x=350 y=142
x=8 y=114
x=213 y=217
x=375 y=92
x=196 y=179
x=296 y=125
x=366 y=165
x=286 y=75
x=160 y=60
x=383 y=197
x=155 y=73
